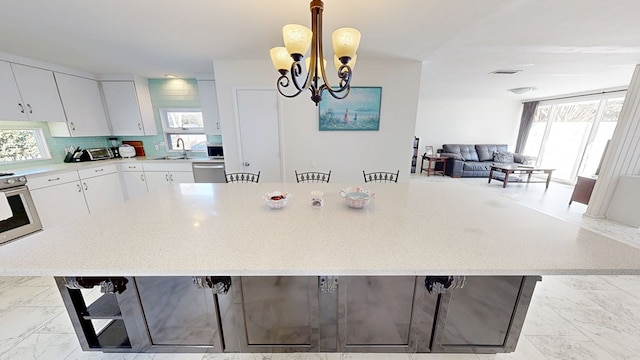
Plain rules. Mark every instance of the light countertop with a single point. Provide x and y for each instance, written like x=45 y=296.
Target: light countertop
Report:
x=408 y=229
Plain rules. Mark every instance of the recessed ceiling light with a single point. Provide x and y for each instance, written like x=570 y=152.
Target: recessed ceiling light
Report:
x=523 y=90
x=505 y=72
x=171 y=76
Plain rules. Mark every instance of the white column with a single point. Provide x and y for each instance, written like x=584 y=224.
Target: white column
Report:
x=623 y=154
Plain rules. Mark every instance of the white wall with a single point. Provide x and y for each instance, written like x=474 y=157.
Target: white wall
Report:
x=345 y=153
x=467 y=121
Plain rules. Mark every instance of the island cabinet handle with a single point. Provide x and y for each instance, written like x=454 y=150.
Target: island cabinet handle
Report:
x=54 y=179
x=328 y=284
x=79 y=188
x=98 y=170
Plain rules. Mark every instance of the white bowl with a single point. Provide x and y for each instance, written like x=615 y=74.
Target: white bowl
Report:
x=277 y=204
x=356 y=197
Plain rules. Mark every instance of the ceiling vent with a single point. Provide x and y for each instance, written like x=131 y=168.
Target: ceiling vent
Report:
x=505 y=72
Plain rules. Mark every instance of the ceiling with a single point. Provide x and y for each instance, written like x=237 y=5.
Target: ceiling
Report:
x=561 y=47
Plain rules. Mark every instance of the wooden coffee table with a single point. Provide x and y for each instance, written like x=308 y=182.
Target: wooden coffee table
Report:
x=433 y=159
x=508 y=170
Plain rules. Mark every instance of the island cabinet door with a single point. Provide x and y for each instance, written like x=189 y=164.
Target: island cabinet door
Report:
x=178 y=314
x=271 y=314
x=383 y=313
x=485 y=316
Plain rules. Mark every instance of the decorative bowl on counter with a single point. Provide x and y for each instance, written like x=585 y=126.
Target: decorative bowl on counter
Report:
x=277 y=199
x=356 y=197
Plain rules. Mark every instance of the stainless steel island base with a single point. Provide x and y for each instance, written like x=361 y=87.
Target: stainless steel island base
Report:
x=266 y=314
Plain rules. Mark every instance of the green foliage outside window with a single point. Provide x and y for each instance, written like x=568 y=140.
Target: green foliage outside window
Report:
x=19 y=145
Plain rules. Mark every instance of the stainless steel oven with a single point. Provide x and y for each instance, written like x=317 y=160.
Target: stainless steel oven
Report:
x=19 y=213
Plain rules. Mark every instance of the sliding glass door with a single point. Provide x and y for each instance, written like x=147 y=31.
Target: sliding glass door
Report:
x=571 y=136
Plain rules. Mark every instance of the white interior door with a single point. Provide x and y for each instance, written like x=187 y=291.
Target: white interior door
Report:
x=259 y=131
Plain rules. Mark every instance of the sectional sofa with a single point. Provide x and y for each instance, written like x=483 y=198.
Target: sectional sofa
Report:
x=466 y=160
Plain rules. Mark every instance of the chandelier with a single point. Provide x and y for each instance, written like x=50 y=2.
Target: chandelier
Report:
x=297 y=40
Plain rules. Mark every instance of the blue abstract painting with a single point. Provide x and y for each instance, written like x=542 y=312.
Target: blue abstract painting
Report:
x=360 y=110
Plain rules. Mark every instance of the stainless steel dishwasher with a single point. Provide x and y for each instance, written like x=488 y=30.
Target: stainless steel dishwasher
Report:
x=208 y=172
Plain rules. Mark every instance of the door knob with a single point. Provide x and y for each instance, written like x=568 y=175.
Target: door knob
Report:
x=246 y=163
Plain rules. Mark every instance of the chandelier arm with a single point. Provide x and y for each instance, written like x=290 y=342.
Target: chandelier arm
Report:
x=345 y=77
x=283 y=82
x=296 y=70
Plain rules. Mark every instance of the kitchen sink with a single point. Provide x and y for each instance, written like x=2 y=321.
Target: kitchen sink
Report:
x=170 y=158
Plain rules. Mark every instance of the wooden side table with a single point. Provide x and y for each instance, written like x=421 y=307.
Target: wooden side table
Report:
x=432 y=159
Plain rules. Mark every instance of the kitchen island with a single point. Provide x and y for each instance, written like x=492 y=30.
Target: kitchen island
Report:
x=309 y=279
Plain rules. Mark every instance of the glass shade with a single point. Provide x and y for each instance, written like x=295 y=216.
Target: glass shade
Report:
x=297 y=38
x=281 y=58
x=345 y=42
x=307 y=61
x=352 y=63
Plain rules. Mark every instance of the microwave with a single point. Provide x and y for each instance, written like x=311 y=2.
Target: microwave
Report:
x=215 y=151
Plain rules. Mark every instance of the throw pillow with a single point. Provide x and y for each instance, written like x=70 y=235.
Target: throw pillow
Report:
x=503 y=157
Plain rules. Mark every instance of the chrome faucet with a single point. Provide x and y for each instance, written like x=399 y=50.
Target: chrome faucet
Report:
x=184 y=150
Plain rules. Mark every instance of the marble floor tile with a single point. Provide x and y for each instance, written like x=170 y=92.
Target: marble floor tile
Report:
x=42 y=346
x=628 y=283
x=619 y=336
x=545 y=321
x=20 y=322
x=361 y=356
x=569 y=348
x=61 y=324
x=524 y=351
x=617 y=302
x=215 y=356
x=444 y=357
x=559 y=296
x=586 y=282
x=78 y=354
x=16 y=296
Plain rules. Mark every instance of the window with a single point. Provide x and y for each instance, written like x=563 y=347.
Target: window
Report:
x=23 y=145
x=571 y=136
x=185 y=124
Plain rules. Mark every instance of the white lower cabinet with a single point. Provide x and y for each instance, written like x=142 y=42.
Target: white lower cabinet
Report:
x=160 y=175
x=102 y=188
x=133 y=180
x=58 y=198
x=63 y=197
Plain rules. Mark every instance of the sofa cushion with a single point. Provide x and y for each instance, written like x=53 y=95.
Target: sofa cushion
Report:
x=519 y=158
x=485 y=151
x=468 y=152
x=452 y=156
x=476 y=166
x=503 y=157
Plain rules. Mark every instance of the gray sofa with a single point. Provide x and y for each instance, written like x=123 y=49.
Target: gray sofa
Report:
x=475 y=160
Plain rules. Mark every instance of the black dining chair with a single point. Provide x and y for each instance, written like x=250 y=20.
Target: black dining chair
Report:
x=312 y=177
x=242 y=177
x=381 y=176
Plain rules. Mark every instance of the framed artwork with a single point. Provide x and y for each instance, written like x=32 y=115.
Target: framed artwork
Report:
x=359 y=111
x=428 y=150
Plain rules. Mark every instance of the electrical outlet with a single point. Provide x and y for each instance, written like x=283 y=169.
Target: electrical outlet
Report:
x=157 y=147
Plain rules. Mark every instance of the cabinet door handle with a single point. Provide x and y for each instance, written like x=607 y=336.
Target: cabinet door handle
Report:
x=171 y=177
x=21 y=108
x=166 y=177
x=218 y=125
x=132 y=167
x=142 y=177
x=79 y=188
x=85 y=186
x=140 y=126
x=98 y=170
x=30 y=109
x=54 y=179
x=73 y=126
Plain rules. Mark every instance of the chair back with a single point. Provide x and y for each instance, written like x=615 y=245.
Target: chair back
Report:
x=242 y=177
x=312 y=177
x=381 y=176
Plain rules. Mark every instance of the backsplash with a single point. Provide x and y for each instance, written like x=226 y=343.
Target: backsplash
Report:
x=165 y=93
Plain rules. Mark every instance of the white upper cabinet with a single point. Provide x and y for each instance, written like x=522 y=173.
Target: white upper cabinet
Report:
x=39 y=93
x=11 y=106
x=83 y=106
x=209 y=106
x=129 y=107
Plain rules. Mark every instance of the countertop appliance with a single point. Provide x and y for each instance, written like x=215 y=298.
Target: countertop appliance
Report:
x=215 y=151
x=97 y=154
x=127 y=151
x=18 y=216
x=209 y=172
